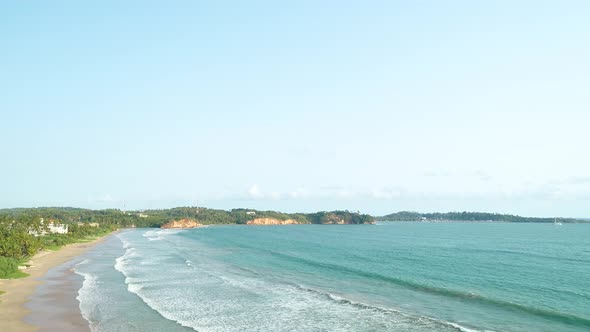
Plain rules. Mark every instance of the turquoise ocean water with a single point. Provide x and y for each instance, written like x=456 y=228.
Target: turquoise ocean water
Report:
x=386 y=277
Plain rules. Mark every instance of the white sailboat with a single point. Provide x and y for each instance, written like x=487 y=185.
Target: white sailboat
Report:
x=556 y=223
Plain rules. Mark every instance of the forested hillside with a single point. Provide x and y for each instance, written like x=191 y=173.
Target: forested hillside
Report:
x=155 y=218
x=467 y=216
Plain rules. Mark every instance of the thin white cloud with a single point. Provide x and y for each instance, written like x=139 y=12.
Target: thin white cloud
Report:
x=254 y=192
x=578 y=180
x=387 y=193
x=481 y=175
x=481 y=186
x=299 y=193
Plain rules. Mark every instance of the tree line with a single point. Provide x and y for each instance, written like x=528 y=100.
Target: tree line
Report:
x=157 y=217
x=18 y=240
x=468 y=216
x=18 y=226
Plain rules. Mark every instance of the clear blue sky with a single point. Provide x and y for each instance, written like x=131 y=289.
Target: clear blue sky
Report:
x=375 y=106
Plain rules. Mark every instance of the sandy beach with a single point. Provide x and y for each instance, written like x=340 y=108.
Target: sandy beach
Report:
x=19 y=291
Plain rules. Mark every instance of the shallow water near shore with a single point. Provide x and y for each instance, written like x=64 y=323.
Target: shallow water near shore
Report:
x=53 y=305
x=387 y=277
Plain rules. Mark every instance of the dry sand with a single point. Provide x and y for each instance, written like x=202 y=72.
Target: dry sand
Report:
x=19 y=291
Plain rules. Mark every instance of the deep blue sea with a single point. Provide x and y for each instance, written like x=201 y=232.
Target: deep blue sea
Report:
x=386 y=277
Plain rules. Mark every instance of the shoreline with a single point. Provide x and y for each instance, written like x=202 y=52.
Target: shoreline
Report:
x=54 y=305
x=18 y=292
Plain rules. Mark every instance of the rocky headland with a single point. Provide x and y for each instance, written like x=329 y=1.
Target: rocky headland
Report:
x=272 y=221
x=182 y=223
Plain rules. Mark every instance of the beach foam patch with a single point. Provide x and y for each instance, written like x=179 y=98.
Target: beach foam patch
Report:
x=87 y=294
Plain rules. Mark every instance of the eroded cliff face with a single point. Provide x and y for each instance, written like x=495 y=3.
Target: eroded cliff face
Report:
x=272 y=221
x=182 y=223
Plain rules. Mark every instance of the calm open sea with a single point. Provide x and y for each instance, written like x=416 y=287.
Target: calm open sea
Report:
x=386 y=277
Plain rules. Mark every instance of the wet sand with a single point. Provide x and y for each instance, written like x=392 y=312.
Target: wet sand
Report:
x=19 y=291
x=53 y=305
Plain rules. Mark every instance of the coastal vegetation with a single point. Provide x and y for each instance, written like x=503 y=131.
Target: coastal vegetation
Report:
x=155 y=218
x=340 y=217
x=469 y=216
x=23 y=233
x=20 y=239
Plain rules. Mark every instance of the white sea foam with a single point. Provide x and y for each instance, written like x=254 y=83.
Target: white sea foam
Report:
x=343 y=300
x=120 y=264
x=136 y=287
x=126 y=244
x=211 y=296
x=291 y=307
x=121 y=261
x=160 y=234
x=83 y=262
x=87 y=293
x=150 y=234
x=171 y=231
x=464 y=329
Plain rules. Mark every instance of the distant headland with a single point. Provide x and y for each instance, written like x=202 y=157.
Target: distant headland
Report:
x=471 y=216
x=185 y=217
x=190 y=217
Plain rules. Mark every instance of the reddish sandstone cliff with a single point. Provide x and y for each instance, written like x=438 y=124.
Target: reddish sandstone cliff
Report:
x=272 y=221
x=182 y=223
